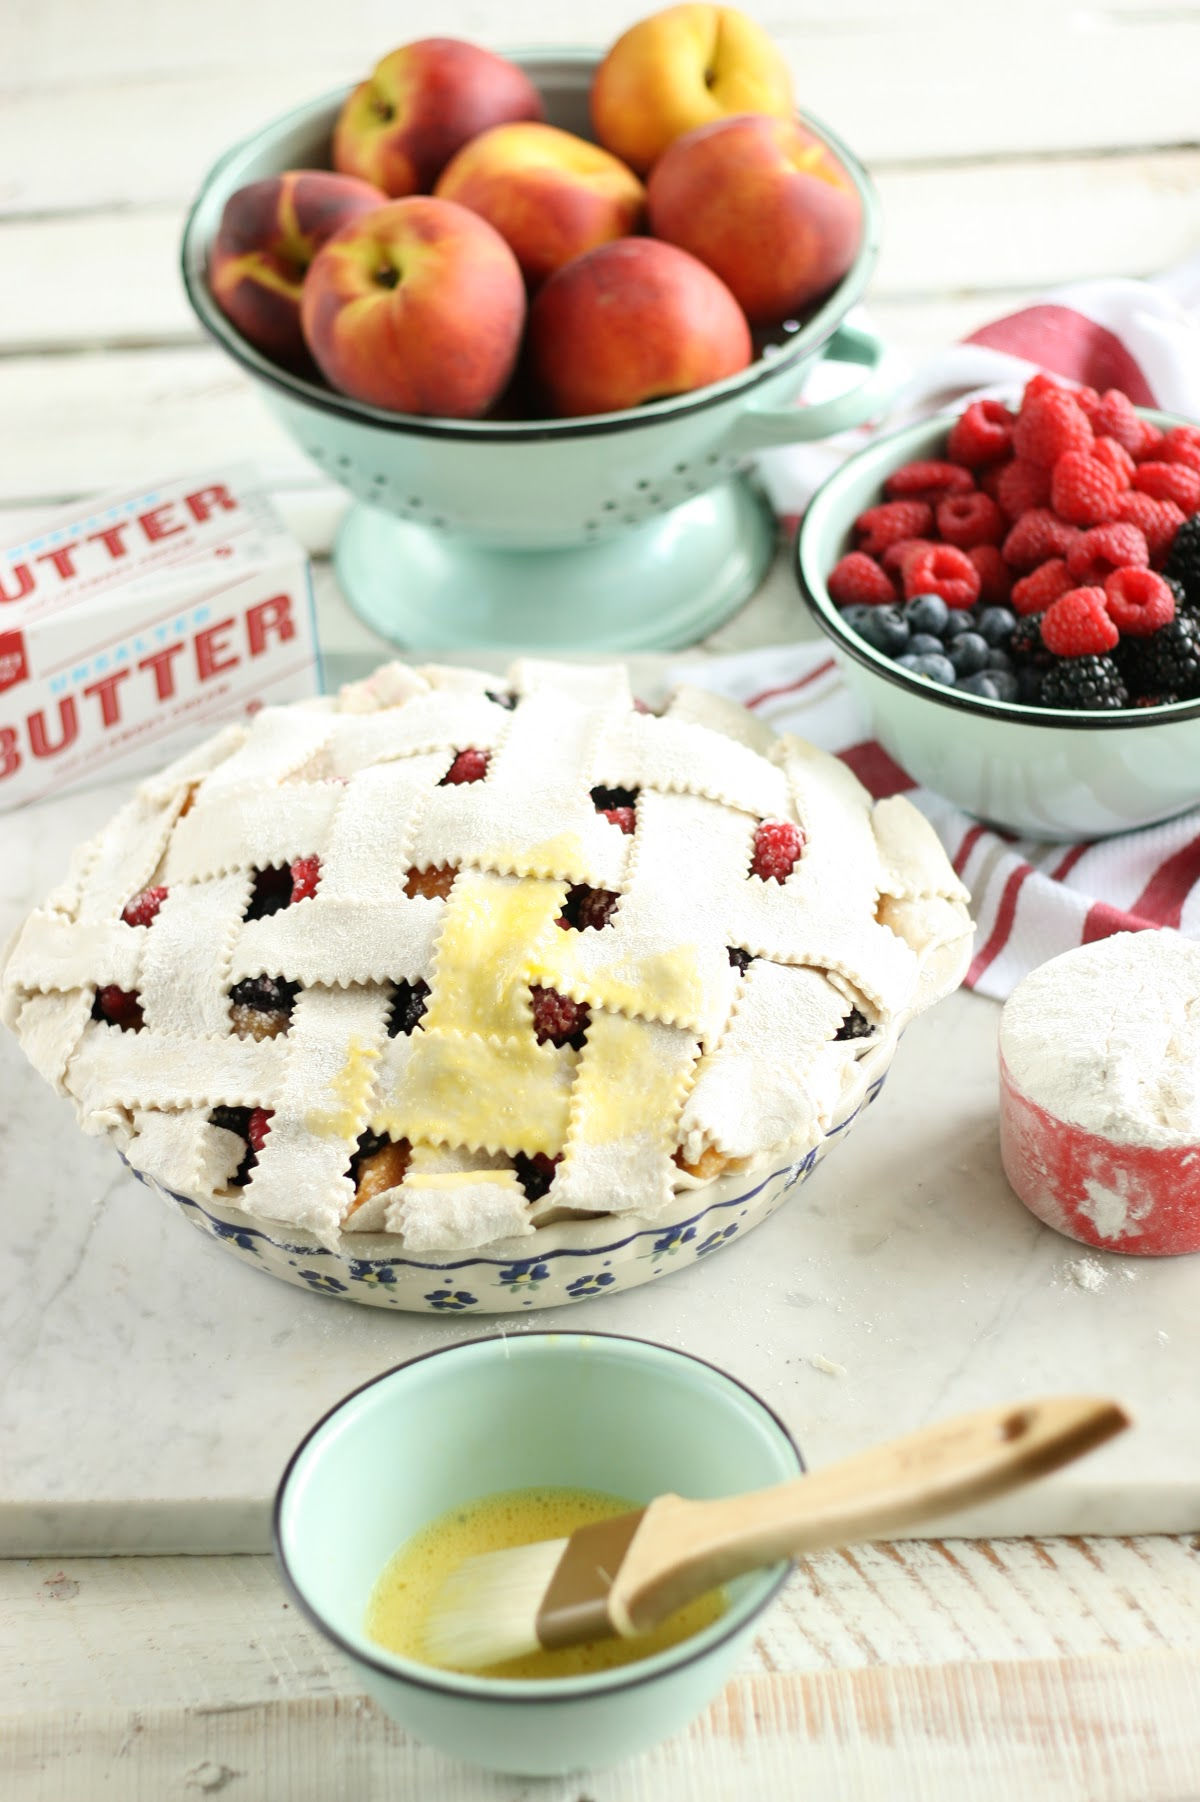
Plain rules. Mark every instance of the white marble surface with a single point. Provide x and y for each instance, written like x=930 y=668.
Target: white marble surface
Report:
x=151 y=1386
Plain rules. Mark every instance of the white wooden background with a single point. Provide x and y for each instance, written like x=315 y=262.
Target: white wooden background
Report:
x=1014 y=145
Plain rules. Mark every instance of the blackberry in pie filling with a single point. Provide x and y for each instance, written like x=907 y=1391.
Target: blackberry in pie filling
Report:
x=260 y=1007
x=535 y=1173
x=617 y=805
x=854 y=1026
x=408 y=1007
x=586 y=908
x=249 y=1123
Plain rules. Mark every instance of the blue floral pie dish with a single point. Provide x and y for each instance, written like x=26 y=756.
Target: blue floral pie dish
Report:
x=457 y=993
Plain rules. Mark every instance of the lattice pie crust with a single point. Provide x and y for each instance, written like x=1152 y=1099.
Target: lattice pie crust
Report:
x=403 y=1084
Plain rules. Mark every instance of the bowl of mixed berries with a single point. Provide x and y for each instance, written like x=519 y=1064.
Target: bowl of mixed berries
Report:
x=1013 y=592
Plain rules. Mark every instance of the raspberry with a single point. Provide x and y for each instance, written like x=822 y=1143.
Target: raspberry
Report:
x=258 y=1126
x=1082 y=490
x=1152 y=438
x=857 y=580
x=1114 y=417
x=1169 y=482
x=588 y=908
x=1138 y=601
x=1041 y=383
x=777 y=845
x=927 y=481
x=142 y=909
x=1095 y=554
x=306 y=874
x=944 y=571
x=1021 y=486
x=1077 y=624
x=995 y=577
x=982 y=435
x=1157 y=521
x=1050 y=425
x=468 y=766
x=1181 y=445
x=1116 y=459
x=897 y=555
x=408 y=1007
x=536 y=1173
x=617 y=805
x=1087 y=400
x=881 y=526
x=1037 y=535
x=1035 y=592
x=969 y=519
x=557 y=1019
x=118 y=1007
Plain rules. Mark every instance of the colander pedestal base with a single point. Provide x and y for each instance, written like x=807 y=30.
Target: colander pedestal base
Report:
x=654 y=586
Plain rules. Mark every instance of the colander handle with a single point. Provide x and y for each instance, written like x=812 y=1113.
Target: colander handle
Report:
x=758 y=427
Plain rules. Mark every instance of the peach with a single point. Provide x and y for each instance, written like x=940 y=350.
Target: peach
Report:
x=422 y=103
x=269 y=233
x=683 y=67
x=549 y=194
x=632 y=321
x=766 y=205
x=417 y=307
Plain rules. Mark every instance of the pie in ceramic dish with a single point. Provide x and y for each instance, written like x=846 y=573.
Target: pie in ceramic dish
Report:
x=449 y=964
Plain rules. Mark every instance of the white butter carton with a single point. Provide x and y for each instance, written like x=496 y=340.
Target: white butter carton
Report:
x=133 y=627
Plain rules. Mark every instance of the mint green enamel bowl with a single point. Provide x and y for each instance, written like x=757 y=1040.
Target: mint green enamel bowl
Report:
x=1043 y=772
x=579 y=1409
x=628 y=531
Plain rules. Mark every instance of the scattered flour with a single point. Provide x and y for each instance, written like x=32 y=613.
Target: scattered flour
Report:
x=1086 y=1273
x=1107 y=1038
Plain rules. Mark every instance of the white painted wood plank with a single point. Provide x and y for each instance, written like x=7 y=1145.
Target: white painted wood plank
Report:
x=1101 y=1729
x=111 y=278
x=173 y=1632
x=134 y=115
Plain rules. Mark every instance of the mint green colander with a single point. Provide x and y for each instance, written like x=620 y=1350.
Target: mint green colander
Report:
x=637 y=530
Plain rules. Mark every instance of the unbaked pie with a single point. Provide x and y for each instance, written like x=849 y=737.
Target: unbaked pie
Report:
x=448 y=958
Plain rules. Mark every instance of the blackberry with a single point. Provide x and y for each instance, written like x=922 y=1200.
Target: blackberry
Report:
x=1167 y=661
x=504 y=698
x=535 y=1173
x=272 y=892
x=604 y=798
x=408 y=1005
x=741 y=960
x=854 y=1026
x=1083 y=682
x=587 y=907
x=1026 y=646
x=1183 y=560
x=265 y=994
x=368 y=1144
x=236 y=1120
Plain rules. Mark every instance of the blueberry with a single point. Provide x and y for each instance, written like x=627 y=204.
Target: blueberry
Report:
x=958 y=620
x=926 y=613
x=935 y=669
x=998 y=659
x=992 y=684
x=968 y=653
x=854 y=616
x=886 y=631
x=996 y=624
x=924 y=644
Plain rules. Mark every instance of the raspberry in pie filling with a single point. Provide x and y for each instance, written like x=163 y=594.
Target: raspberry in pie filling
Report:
x=118 y=1007
x=408 y=1006
x=306 y=876
x=435 y=883
x=557 y=1020
x=468 y=766
x=261 y=1006
x=588 y=907
x=777 y=846
x=143 y=908
x=617 y=805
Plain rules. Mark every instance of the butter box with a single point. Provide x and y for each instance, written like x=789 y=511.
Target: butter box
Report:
x=133 y=627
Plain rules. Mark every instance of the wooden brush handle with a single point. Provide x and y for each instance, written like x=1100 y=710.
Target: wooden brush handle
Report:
x=684 y=1548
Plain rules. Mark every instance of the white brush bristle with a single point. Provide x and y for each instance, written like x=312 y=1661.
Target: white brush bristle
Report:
x=486 y=1611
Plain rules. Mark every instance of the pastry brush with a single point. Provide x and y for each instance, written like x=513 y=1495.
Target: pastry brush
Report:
x=627 y=1574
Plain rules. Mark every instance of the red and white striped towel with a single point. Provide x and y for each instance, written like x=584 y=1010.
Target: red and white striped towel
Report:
x=1030 y=900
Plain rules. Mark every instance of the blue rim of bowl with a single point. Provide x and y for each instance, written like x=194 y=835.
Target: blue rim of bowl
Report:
x=519 y=1690
x=811 y=335
x=811 y=583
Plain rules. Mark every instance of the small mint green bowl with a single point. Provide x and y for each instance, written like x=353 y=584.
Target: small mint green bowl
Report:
x=1043 y=772
x=586 y=1410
